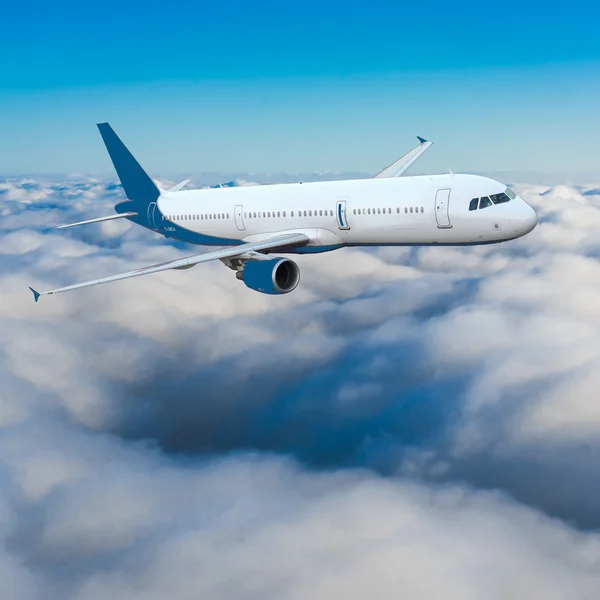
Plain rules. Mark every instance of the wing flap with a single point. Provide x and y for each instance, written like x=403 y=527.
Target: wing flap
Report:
x=274 y=243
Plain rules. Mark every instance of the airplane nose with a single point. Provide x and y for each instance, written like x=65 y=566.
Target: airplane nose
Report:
x=526 y=219
x=531 y=220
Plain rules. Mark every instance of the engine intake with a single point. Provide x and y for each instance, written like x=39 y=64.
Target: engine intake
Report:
x=275 y=276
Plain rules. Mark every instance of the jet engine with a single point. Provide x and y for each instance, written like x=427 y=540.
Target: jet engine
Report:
x=274 y=276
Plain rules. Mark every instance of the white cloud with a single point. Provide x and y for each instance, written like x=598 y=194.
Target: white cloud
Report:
x=475 y=367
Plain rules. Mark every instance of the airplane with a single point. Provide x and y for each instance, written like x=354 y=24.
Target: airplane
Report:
x=253 y=222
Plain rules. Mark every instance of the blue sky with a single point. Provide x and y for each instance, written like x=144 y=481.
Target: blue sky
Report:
x=270 y=86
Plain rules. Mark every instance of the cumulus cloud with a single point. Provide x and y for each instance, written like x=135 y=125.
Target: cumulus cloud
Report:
x=181 y=435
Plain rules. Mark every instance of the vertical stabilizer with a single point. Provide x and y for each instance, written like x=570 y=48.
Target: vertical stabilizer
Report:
x=137 y=184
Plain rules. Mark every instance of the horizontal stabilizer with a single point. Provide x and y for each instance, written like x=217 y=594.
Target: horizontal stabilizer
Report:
x=180 y=185
x=99 y=220
x=402 y=165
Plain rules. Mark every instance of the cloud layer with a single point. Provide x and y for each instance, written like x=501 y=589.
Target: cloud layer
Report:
x=424 y=422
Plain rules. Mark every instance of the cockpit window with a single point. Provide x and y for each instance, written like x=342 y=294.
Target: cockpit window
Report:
x=485 y=202
x=492 y=198
x=499 y=198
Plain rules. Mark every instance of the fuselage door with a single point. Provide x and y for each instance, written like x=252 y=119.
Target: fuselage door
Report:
x=340 y=213
x=151 y=214
x=442 y=208
x=239 y=217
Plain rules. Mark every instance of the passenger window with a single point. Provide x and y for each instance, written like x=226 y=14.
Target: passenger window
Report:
x=411 y=209
x=473 y=204
x=422 y=210
x=485 y=202
x=405 y=209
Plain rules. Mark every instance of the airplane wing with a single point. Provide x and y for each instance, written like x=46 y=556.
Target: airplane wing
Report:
x=274 y=243
x=399 y=167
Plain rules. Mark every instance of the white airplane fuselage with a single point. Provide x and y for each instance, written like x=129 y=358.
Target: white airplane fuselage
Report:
x=255 y=222
x=422 y=210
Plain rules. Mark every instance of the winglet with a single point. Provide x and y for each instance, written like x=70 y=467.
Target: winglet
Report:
x=36 y=295
x=422 y=140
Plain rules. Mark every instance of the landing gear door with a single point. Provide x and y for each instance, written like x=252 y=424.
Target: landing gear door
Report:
x=340 y=213
x=442 y=208
x=239 y=217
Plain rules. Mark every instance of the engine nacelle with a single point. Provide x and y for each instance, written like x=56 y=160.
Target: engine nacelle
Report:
x=275 y=276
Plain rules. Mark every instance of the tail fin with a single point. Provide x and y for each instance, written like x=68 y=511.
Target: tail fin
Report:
x=136 y=183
